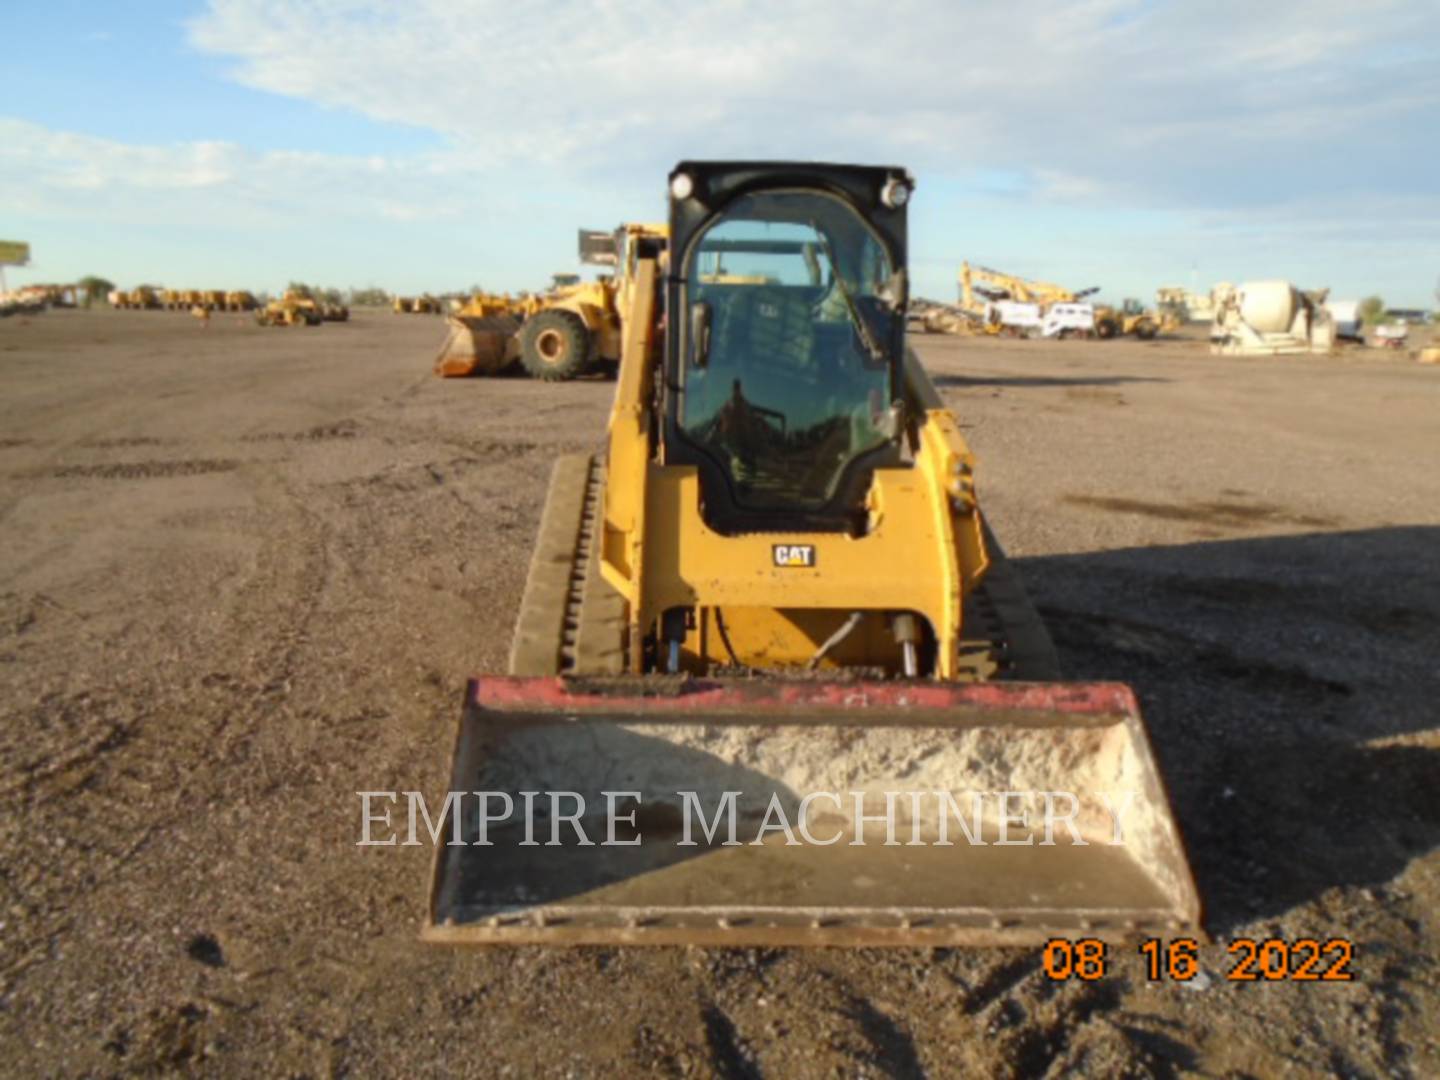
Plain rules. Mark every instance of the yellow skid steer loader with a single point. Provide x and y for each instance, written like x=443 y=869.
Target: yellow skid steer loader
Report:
x=773 y=680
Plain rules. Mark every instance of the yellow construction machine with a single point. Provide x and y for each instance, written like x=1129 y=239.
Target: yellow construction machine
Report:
x=141 y=298
x=417 y=305
x=996 y=283
x=240 y=300
x=480 y=338
x=773 y=681
x=936 y=318
x=291 y=309
x=1005 y=303
x=578 y=326
x=573 y=329
x=1132 y=317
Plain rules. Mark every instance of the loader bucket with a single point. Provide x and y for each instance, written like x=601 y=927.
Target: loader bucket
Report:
x=476 y=345
x=804 y=813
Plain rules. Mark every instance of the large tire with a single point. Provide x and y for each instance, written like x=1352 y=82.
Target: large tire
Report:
x=1146 y=330
x=1106 y=329
x=555 y=345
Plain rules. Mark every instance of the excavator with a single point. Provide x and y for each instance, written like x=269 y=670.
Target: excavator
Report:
x=1018 y=289
x=773 y=680
x=1004 y=302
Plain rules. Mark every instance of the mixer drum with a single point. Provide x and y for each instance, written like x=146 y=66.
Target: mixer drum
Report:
x=1269 y=306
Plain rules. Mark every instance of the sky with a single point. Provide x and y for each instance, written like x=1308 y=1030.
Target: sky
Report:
x=439 y=144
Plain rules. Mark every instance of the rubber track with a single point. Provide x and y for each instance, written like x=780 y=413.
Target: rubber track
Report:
x=1004 y=636
x=570 y=622
x=548 y=610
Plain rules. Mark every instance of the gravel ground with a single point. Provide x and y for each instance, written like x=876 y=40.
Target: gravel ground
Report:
x=244 y=573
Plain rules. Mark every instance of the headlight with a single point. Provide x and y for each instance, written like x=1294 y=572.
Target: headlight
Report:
x=682 y=185
x=895 y=194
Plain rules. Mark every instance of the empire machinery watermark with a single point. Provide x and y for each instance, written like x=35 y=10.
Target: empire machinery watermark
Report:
x=736 y=818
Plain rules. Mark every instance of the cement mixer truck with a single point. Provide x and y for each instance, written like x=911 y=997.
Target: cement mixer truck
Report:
x=1270 y=318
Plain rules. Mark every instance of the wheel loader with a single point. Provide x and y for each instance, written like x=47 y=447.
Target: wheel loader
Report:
x=291 y=309
x=573 y=329
x=1132 y=317
x=480 y=338
x=773 y=681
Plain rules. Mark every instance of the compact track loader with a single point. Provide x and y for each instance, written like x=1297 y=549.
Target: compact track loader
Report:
x=773 y=681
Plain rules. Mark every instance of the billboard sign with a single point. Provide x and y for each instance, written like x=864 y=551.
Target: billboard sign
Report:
x=14 y=253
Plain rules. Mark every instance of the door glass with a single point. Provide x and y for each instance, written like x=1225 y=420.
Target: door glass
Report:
x=795 y=382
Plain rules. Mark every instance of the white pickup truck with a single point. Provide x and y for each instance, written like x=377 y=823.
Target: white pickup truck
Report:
x=1062 y=320
x=1392 y=335
x=1023 y=317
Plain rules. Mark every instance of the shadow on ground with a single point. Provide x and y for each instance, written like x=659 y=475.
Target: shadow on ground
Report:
x=1286 y=682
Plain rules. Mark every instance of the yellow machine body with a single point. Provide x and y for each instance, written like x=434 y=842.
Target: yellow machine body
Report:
x=291 y=309
x=480 y=335
x=921 y=552
x=599 y=303
x=572 y=329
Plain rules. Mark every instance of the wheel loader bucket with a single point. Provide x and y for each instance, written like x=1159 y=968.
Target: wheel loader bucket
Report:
x=477 y=345
x=804 y=813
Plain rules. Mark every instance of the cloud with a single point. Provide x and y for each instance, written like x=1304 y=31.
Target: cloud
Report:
x=1087 y=100
x=45 y=172
x=178 y=211
x=1104 y=139
x=63 y=162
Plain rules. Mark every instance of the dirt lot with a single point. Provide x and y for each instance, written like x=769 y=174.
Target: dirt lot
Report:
x=244 y=573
